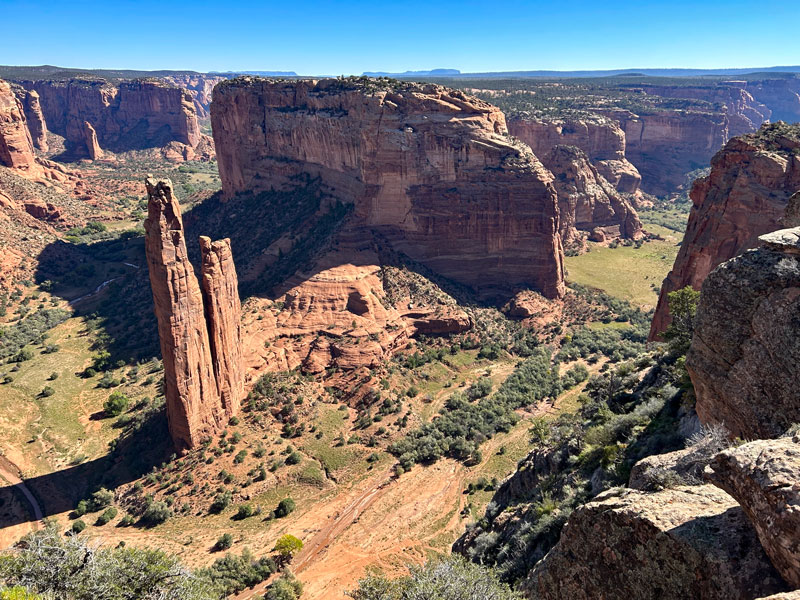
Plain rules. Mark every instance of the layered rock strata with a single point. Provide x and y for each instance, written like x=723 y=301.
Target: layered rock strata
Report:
x=430 y=168
x=586 y=201
x=600 y=138
x=126 y=116
x=764 y=477
x=744 y=196
x=745 y=351
x=36 y=122
x=16 y=146
x=688 y=542
x=202 y=368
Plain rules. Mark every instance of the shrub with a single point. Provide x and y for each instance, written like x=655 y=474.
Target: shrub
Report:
x=155 y=514
x=245 y=511
x=116 y=404
x=78 y=526
x=287 y=587
x=294 y=459
x=285 y=507
x=47 y=391
x=221 y=502
x=224 y=541
x=100 y=499
x=106 y=516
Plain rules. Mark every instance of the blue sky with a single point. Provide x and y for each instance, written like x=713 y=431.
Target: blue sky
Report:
x=325 y=37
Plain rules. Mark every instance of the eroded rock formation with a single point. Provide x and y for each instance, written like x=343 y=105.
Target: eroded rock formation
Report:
x=90 y=139
x=688 y=542
x=202 y=377
x=745 y=350
x=600 y=138
x=744 y=196
x=199 y=86
x=126 y=116
x=36 y=122
x=764 y=477
x=432 y=169
x=16 y=146
x=586 y=200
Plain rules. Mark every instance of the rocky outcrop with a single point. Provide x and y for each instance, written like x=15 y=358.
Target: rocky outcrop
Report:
x=223 y=315
x=744 y=196
x=432 y=169
x=202 y=382
x=688 y=542
x=585 y=199
x=16 y=146
x=90 y=139
x=126 y=116
x=199 y=86
x=745 y=351
x=666 y=145
x=764 y=477
x=36 y=122
x=600 y=138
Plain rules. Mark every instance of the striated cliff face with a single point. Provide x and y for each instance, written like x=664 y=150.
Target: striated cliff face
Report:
x=127 y=116
x=223 y=314
x=36 y=123
x=744 y=196
x=430 y=168
x=16 y=146
x=601 y=139
x=585 y=199
x=744 y=353
x=199 y=87
x=203 y=380
x=667 y=145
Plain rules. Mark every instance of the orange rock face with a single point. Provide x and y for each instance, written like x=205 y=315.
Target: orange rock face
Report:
x=90 y=139
x=16 y=147
x=36 y=123
x=746 y=194
x=203 y=386
x=432 y=169
x=585 y=199
x=223 y=314
x=130 y=115
x=601 y=139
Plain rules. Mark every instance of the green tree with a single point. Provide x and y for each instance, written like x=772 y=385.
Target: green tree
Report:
x=288 y=545
x=285 y=507
x=18 y=593
x=116 y=404
x=682 y=309
x=287 y=587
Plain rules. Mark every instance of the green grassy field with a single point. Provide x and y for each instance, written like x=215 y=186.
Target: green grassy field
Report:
x=633 y=274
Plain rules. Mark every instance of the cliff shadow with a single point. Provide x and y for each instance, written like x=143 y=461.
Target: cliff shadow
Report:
x=141 y=447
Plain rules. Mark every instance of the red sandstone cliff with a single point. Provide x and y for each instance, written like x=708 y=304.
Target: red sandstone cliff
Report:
x=199 y=87
x=600 y=138
x=203 y=380
x=431 y=168
x=744 y=196
x=16 y=146
x=36 y=123
x=129 y=115
x=586 y=200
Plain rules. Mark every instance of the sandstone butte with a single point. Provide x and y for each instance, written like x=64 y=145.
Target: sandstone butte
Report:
x=744 y=196
x=127 y=115
x=198 y=328
x=432 y=169
x=16 y=146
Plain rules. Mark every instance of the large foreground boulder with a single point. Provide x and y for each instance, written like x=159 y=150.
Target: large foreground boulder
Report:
x=688 y=542
x=764 y=477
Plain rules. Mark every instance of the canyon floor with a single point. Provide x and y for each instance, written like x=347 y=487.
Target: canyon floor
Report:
x=353 y=512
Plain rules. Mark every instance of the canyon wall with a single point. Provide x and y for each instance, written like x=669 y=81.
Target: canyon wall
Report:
x=432 y=169
x=600 y=138
x=129 y=115
x=16 y=146
x=198 y=330
x=199 y=87
x=36 y=123
x=744 y=196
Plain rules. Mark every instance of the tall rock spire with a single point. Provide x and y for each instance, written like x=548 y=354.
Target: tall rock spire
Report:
x=202 y=372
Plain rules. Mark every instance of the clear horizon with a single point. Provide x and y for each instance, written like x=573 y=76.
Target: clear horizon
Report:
x=329 y=38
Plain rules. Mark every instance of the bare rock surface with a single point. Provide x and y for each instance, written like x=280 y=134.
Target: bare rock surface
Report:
x=16 y=146
x=688 y=542
x=745 y=351
x=745 y=195
x=432 y=168
x=764 y=477
x=199 y=340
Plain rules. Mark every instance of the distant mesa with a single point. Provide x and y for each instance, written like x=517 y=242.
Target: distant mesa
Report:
x=431 y=73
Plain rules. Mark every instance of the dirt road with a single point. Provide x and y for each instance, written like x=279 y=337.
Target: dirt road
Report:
x=10 y=472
